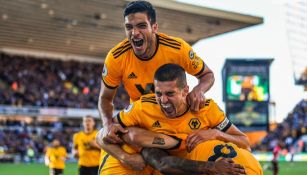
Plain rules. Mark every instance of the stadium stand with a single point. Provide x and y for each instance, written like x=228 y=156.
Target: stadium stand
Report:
x=290 y=132
x=26 y=81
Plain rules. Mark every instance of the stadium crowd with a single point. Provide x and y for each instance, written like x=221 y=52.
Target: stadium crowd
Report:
x=27 y=142
x=289 y=131
x=27 y=81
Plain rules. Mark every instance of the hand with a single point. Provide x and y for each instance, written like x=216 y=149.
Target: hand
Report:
x=134 y=161
x=226 y=166
x=200 y=136
x=196 y=99
x=110 y=131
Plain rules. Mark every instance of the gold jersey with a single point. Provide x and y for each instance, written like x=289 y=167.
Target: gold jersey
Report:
x=88 y=156
x=136 y=74
x=214 y=150
x=56 y=156
x=147 y=113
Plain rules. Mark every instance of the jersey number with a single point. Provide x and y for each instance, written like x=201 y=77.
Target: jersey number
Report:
x=223 y=151
x=148 y=89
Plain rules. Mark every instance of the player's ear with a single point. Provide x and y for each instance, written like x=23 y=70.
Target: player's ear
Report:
x=155 y=27
x=186 y=90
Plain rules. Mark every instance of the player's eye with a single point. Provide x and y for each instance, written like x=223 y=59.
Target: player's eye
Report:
x=170 y=94
x=158 y=94
x=142 y=26
x=128 y=27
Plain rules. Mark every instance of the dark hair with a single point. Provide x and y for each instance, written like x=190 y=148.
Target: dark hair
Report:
x=171 y=72
x=141 y=6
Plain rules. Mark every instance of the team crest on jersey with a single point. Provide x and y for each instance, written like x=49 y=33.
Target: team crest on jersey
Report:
x=194 y=123
x=104 y=70
x=128 y=108
x=191 y=54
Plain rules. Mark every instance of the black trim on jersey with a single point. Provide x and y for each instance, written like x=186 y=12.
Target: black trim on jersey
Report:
x=120 y=121
x=170 y=42
x=119 y=54
x=149 y=101
x=116 y=51
x=177 y=145
x=157 y=37
x=103 y=162
x=178 y=48
x=188 y=108
x=201 y=71
x=108 y=86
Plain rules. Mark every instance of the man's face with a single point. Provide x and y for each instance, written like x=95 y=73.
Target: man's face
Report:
x=88 y=123
x=56 y=143
x=141 y=34
x=172 y=99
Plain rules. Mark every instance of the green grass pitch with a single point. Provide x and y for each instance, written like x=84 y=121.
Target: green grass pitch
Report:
x=286 y=168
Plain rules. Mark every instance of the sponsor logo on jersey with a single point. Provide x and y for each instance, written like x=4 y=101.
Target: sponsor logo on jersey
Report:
x=132 y=76
x=156 y=124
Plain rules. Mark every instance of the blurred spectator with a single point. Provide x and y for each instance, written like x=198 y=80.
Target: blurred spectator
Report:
x=289 y=131
x=26 y=81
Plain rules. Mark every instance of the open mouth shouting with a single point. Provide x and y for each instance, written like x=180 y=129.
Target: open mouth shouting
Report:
x=168 y=109
x=138 y=45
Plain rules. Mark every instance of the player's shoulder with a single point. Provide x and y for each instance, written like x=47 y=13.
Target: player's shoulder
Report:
x=78 y=134
x=146 y=102
x=120 y=49
x=148 y=99
x=170 y=41
x=209 y=103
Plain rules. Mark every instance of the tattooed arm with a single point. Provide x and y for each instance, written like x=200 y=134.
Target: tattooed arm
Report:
x=166 y=164
x=139 y=137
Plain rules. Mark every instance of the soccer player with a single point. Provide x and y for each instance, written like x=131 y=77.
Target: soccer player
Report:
x=134 y=61
x=86 y=149
x=201 y=160
x=55 y=158
x=169 y=112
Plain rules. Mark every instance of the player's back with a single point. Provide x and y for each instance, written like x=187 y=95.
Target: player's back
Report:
x=214 y=150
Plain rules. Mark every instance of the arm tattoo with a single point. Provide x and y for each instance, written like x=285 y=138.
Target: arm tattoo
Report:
x=158 y=141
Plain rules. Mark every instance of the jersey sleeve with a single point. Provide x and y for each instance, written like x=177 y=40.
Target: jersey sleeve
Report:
x=128 y=116
x=181 y=141
x=217 y=117
x=64 y=152
x=111 y=75
x=193 y=64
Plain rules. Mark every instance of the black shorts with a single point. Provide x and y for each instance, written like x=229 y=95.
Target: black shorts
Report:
x=83 y=170
x=55 y=171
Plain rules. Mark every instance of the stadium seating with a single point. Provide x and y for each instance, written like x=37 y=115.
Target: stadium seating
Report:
x=26 y=81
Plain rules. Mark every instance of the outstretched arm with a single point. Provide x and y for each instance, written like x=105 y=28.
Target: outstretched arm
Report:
x=160 y=160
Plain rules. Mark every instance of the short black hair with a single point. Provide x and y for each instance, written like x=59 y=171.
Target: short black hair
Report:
x=171 y=72
x=141 y=6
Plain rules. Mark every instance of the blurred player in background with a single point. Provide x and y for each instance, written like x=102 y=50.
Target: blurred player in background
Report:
x=55 y=158
x=86 y=149
x=276 y=151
